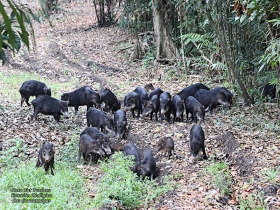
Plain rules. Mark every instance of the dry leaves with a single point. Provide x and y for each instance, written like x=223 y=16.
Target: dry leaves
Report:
x=75 y=48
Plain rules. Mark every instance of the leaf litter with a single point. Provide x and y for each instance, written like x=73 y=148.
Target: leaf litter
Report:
x=74 y=48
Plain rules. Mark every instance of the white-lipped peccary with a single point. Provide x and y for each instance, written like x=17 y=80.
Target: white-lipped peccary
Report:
x=191 y=90
x=81 y=97
x=149 y=87
x=195 y=108
x=117 y=147
x=110 y=100
x=167 y=145
x=99 y=136
x=101 y=120
x=178 y=108
x=165 y=106
x=269 y=91
x=130 y=149
x=197 y=141
x=156 y=91
x=142 y=94
x=91 y=98
x=148 y=166
x=33 y=88
x=227 y=93
x=132 y=102
x=46 y=157
x=120 y=124
x=50 y=106
x=210 y=98
x=89 y=146
x=152 y=106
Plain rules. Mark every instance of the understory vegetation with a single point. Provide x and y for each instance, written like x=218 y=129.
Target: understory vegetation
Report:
x=224 y=43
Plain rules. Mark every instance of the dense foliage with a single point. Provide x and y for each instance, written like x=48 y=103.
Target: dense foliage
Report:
x=238 y=40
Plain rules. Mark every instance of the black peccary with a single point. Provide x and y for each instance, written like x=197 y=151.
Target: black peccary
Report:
x=46 y=157
x=33 y=88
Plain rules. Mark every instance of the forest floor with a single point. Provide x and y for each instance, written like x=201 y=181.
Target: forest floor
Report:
x=75 y=50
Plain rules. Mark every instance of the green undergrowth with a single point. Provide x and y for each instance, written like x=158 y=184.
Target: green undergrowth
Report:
x=252 y=201
x=120 y=187
x=67 y=189
x=220 y=177
x=11 y=82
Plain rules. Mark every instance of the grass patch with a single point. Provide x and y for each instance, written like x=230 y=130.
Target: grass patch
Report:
x=252 y=201
x=11 y=82
x=69 y=153
x=220 y=176
x=11 y=157
x=272 y=174
x=66 y=190
x=120 y=187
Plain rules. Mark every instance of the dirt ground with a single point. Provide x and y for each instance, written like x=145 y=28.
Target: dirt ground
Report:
x=75 y=48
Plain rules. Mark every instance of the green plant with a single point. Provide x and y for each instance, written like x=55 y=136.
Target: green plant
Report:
x=252 y=201
x=272 y=174
x=119 y=185
x=13 y=29
x=149 y=56
x=220 y=176
x=69 y=152
x=11 y=157
x=67 y=189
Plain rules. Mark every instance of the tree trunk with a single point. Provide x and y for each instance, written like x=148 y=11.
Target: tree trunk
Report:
x=165 y=45
x=224 y=32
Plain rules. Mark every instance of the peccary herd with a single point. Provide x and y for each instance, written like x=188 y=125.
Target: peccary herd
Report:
x=95 y=142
